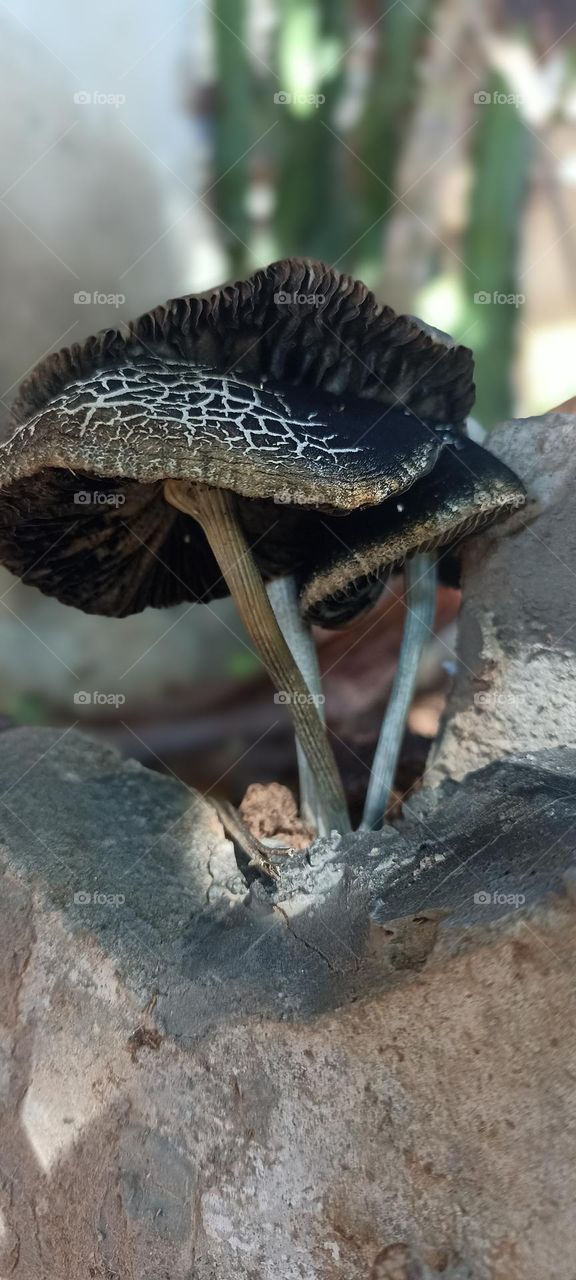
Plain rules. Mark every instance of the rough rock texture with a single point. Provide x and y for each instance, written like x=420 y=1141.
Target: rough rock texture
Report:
x=367 y=1072
x=517 y=648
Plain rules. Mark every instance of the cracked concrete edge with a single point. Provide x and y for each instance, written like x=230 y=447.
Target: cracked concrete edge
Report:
x=176 y=1155
x=516 y=679
x=169 y=908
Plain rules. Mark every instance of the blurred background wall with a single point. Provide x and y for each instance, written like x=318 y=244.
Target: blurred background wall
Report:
x=149 y=150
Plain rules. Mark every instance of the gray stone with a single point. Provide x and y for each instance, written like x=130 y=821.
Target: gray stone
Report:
x=366 y=1071
x=517 y=676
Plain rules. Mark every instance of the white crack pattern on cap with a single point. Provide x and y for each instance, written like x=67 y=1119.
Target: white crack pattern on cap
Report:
x=202 y=402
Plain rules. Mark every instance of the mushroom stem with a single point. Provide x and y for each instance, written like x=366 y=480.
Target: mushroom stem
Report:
x=420 y=577
x=283 y=596
x=215 y=511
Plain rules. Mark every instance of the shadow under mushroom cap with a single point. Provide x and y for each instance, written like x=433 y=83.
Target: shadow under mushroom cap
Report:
x=82 y=508
x=468 y=489
x=130 y=410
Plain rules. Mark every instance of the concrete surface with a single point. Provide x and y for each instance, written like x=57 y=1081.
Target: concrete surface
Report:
x=517 y=644
x=368 y=1072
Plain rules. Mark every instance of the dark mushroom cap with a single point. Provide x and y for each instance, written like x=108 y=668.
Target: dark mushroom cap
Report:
x=289 y=403
x=468 y=489
x=297 y=322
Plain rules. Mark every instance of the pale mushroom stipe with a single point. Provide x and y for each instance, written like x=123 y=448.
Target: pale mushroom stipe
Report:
x=467 y=490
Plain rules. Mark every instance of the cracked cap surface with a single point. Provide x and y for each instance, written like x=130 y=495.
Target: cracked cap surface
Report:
x=284 y=388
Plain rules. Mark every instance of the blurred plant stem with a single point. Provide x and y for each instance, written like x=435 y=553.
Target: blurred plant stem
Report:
x=501 y=160
x=382 y=131
x=307 y=159
x=233 y=131
x=312 y=214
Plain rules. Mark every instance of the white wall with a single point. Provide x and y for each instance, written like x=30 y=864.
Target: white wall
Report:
x=96 y=198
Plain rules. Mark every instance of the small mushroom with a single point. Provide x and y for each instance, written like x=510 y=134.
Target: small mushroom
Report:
x=283 y=596
x=181 y=458
x=420 y=578
x=468 y=489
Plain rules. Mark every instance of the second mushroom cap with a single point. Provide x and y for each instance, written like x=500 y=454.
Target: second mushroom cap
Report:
x=468 y=489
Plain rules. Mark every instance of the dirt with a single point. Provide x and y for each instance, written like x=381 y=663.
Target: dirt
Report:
x=271 y=813
x=143 y=1038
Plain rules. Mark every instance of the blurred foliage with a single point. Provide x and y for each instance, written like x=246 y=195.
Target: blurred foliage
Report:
x=25 y=708
x=382 y=132
x=233 y=134
x=501 y=159
x=242 y=664
x=311 y=42
x=319 y=126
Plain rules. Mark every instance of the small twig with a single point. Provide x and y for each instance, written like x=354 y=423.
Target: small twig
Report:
x=250 y=849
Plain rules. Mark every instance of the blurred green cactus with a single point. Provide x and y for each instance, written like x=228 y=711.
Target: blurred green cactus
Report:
x=312 y=214
x=233 y=131
x=322 y=132
x=492 y=297
x=382 y=131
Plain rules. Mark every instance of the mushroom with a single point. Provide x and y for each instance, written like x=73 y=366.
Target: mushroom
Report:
x=187 y=450
x=466 y=490
x=283 y=596
x=221 y=424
